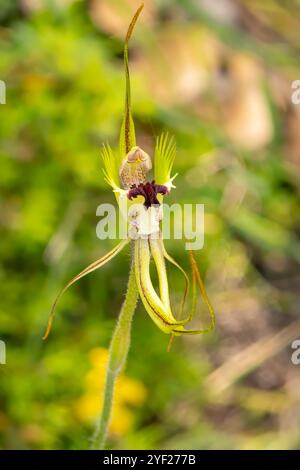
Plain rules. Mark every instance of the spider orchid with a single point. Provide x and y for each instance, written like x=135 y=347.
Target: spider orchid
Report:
x=127 y=174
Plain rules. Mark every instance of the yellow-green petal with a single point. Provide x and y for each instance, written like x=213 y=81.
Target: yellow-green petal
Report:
x=161 y=316
x=164 y=155
x=92 y=267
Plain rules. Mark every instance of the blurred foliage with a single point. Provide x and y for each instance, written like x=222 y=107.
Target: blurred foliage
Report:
x=218 y=75
x=128 y=392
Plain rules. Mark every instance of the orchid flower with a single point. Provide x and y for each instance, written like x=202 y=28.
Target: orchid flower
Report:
x=140 y=201
x=127 y=174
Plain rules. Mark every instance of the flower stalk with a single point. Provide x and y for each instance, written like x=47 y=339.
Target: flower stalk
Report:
x=118 y=352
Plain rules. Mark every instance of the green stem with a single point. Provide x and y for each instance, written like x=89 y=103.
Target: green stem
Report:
x=118 y=351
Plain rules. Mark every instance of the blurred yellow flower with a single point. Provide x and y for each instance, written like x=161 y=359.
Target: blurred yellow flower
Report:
x=128 y=393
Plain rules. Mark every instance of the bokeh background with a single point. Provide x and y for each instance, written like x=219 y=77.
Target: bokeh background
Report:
x=218 y=75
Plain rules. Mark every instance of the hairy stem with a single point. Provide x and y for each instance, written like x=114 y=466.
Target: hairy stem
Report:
x=118 y=351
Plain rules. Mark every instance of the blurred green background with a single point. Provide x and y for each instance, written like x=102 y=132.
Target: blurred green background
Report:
x=218 y=76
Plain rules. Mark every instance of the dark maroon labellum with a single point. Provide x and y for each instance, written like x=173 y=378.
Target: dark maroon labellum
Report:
x=149 y=191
